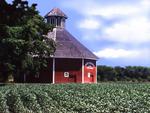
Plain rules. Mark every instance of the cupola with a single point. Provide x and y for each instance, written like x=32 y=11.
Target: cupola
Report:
x=56 y=18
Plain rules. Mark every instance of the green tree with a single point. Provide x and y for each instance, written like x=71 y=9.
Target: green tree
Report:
x=128 y=73
x=24 y=45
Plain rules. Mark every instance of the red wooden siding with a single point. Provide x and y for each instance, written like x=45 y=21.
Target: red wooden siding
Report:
x=73 y=66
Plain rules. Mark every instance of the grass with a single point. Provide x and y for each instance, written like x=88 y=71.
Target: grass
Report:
x=75 y=98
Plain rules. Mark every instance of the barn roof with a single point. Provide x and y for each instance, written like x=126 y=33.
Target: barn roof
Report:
x=56 y=12
x=69 y=47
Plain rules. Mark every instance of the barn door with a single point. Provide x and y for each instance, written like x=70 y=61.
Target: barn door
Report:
x=89 y=72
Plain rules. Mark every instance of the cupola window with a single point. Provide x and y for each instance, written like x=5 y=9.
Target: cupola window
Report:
x=58 y=21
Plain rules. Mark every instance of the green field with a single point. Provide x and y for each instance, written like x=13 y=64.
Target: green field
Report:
x=76 y=98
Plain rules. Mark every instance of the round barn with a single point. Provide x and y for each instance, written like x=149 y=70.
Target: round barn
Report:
x=72 y=62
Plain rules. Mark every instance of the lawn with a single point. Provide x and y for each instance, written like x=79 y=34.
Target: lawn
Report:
x=75 y=98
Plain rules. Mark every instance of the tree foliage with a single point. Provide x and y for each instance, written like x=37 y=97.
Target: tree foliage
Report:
x=23 y=41
x=128 y=73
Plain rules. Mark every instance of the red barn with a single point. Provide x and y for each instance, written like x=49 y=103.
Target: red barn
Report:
x=72 y=62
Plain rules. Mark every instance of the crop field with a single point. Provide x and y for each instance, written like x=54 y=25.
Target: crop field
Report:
x=75 y=98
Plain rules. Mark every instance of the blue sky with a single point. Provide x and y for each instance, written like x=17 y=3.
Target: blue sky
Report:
x=118 y=31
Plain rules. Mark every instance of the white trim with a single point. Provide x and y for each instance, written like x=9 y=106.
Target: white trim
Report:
x=96 y=74
x=53 y=79
x=82 y=70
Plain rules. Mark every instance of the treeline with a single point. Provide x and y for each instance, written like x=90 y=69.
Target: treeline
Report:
x=128 y=73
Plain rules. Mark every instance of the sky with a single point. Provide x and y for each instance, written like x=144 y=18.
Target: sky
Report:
x=117 y=31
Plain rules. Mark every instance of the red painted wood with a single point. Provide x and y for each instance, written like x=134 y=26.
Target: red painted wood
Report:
x=73 y=66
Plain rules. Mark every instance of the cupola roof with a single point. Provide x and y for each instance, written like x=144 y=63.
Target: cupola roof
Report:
x=56 y=12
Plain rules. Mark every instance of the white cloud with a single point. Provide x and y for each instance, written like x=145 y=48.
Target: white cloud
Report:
x=110 y=53
x=119 y=9
x=114 y=11
x=133 y=30
x=145 y=4
x=89 y=23
x=107 y=10
x=132 y=23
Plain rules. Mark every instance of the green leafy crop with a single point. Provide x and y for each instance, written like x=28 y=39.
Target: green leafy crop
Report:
x=76 y=98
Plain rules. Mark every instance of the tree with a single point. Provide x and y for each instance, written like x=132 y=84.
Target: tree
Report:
x=128 y=73
x=24 y=46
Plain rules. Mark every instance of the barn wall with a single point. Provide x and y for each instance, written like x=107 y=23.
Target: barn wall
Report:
x=45 y=75
x=90 y=73
x=73 y=66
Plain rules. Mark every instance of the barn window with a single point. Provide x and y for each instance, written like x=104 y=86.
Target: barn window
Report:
x=89 y=65
x=66 y=74
x=53 y=21
x=89 y=75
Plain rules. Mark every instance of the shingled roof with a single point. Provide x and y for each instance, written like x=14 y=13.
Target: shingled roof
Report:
x=56 y=12
x=69 y=47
